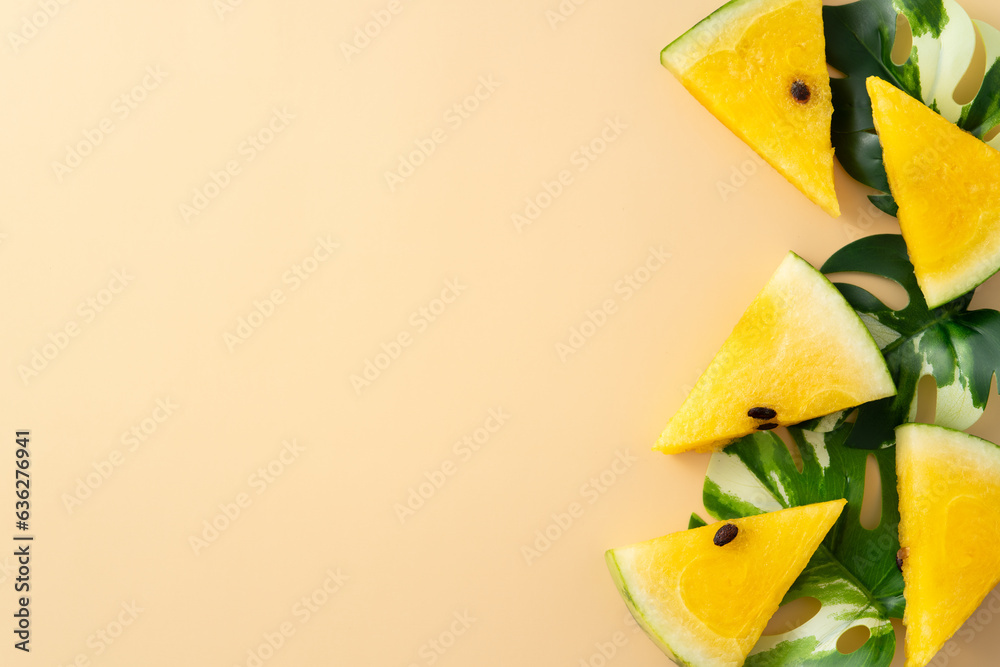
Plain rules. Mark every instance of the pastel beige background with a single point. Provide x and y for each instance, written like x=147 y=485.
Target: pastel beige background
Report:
x=218 y=309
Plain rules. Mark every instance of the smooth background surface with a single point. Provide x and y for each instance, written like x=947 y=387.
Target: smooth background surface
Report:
x=363 y=449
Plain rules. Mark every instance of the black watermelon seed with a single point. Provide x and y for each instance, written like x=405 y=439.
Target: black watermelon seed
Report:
x=766 y=427
x=800 y=91
x=762 y=414
x=725 y=535
x=902 y=555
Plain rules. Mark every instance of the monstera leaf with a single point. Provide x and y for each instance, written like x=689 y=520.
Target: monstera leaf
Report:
x=958 y=347
x=853 y=573
x=859 y=43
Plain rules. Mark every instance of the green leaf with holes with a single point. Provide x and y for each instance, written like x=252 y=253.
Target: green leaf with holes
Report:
x=958 y=347
x=859 y=43
x=853 y=573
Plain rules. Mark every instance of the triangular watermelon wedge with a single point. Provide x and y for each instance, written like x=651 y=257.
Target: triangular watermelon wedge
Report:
x=949 y=505
x=799 y=351
x=706 y=605
x=947 y=185
x=760 y=67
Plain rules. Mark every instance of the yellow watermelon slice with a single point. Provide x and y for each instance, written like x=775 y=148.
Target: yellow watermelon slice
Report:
x=947 y=185
x=799 y=351
x=949 y=504
x=760 y=67
x=706 y=605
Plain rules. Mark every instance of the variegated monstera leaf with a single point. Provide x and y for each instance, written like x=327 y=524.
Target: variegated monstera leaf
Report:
x=853 y=573
x=958 y=347
x=859 y=42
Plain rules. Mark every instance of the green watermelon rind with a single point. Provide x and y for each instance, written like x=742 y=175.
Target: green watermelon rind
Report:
x=966 y=281
x=656 y=634
x=796 y=274
x=963 y=276
x=986 y=444
x=721 y=31
x=678 y=645
x=684 y=48
x=867 y=332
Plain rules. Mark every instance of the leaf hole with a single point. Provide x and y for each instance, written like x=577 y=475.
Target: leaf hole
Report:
x=834 y=72
x=791 y=445
x=852 y=417
x=853 y=639
x=899 y=656
x=792 y=615
x=926 y=408
x=992 y=134
x=903 y=44
x=889 y=292
x=871 y=507
x=972 y=80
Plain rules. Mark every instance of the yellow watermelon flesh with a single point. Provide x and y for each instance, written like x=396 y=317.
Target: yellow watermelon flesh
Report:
x=947 y=185
x=759 y=66
x=706 y=605
x=949 y=503
x=799 y=351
